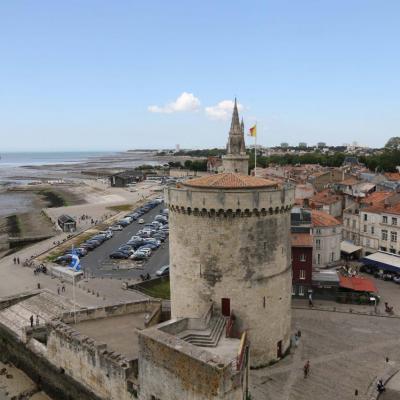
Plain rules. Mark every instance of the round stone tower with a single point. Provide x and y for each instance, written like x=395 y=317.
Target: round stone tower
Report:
x=229 y=244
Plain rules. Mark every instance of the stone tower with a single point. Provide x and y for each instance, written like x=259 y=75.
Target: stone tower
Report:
x=229 y=244
x=236 y=159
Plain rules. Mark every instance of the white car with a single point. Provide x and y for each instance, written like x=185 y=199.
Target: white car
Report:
x=116 y=228
x=108 y=233
x=146 y=251
x=141 y=221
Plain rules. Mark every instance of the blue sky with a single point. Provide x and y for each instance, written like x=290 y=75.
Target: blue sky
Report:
x=106 y=75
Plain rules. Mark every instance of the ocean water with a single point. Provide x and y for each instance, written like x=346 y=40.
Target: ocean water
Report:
x=48 y=158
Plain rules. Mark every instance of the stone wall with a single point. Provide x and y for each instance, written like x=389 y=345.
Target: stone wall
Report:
x=59 y=386
x=171 y=369
x=101 y=371
x=133 y=307
x=235 y=245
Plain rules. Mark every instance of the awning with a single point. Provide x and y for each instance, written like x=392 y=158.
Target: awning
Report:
x=358 y=284
x=382 y=260
x=349 y=248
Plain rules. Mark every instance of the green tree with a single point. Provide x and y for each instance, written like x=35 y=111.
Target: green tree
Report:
x=393 y=143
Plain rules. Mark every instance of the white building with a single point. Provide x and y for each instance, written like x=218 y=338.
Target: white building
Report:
x=327 y=234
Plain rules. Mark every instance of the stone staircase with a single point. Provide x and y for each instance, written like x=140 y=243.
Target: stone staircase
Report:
x=208 y=337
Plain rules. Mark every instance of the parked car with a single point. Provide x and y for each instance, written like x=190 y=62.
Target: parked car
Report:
x=144 y=250
x=151 y=246
x=396 y=279
x=119 y=255
x=109 y=234
x=94 y=242
x=88 y=246
x=123 y=222
x=116 y=227
x=80 y=251
x=163 y=271
x=141 y=221
x=139 y=256
x=101 y=238
x=127 y=248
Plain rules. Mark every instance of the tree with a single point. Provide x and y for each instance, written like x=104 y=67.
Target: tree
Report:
x=393 y=143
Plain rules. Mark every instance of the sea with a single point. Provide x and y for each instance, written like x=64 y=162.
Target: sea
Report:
x=19 y=159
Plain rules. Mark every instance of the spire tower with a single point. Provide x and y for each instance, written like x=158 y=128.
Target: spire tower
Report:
x=236 y=159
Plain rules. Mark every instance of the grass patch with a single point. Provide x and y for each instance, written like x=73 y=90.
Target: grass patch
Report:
x=53 y=199
x=121 y=207
x=13 y=225
x=158 y=289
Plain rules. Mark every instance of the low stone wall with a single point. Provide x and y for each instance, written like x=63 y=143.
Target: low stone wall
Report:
x=87 y=314
x=9 y=301
x=39 y=369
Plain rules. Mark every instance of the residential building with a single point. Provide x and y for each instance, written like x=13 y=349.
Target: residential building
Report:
x=302 y=263
x=327 y=235
x=327 y=201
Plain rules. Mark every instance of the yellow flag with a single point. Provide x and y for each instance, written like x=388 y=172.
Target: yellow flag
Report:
x=253 y=131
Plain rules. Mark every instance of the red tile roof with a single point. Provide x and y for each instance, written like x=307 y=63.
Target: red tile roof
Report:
x=393 y=176
x=375 y=198
x=358 y=284
x=325 y=197
x=320 y=218
x=383 y=209
x=229 y=181
x=301 y=240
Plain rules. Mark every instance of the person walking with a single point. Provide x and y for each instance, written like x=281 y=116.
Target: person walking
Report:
x=15 y=260
x=63 y=288
x=310 y=302
x=306 y=368
x=58 y=289
x=31 y=319
x=18 y=260
x=37 y=320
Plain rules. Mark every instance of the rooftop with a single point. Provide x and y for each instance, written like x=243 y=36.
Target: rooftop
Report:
x=375 y=198
x=230 y=181
x=326 y=197
x=320 y=218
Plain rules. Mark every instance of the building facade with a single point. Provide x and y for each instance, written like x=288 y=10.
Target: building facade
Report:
x=327 y=235
x=302 y=264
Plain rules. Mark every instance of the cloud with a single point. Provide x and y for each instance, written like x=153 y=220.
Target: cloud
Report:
x=222 y=110
x=184 y=102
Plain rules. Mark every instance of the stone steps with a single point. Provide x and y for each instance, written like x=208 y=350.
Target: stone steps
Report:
x=207 y=338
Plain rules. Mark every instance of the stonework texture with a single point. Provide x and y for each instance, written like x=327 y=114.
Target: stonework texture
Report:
x=240 y=254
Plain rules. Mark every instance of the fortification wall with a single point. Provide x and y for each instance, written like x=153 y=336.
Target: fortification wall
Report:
x=169 y=371
x=35 y=364
x=89 y=362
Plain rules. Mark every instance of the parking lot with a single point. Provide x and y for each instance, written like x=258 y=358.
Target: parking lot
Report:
x=97 y=262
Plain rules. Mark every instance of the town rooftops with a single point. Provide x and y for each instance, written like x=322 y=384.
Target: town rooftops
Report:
x=375 y=198
x=325 y=197
x=230 y=181
x=322 y=219
x=301 y=240
x=393 y=176
x=383 y=208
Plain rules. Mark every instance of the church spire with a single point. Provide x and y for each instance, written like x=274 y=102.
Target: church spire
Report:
x=235 y=124
x=242 y=126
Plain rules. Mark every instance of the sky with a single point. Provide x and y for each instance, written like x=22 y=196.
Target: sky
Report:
x=116 y=75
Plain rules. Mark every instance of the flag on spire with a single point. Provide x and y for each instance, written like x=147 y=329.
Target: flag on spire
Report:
x=253 y=131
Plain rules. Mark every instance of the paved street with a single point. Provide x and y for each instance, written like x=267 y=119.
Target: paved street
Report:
x=346 y=352
x=97 y=262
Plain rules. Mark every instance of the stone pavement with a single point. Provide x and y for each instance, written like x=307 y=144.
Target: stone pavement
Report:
x=346 y=352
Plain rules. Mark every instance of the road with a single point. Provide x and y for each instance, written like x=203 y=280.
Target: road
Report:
x=98 y=264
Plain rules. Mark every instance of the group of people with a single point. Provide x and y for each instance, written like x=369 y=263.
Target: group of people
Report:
x=31 y=319
x=16 y=260
x=61 y=289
